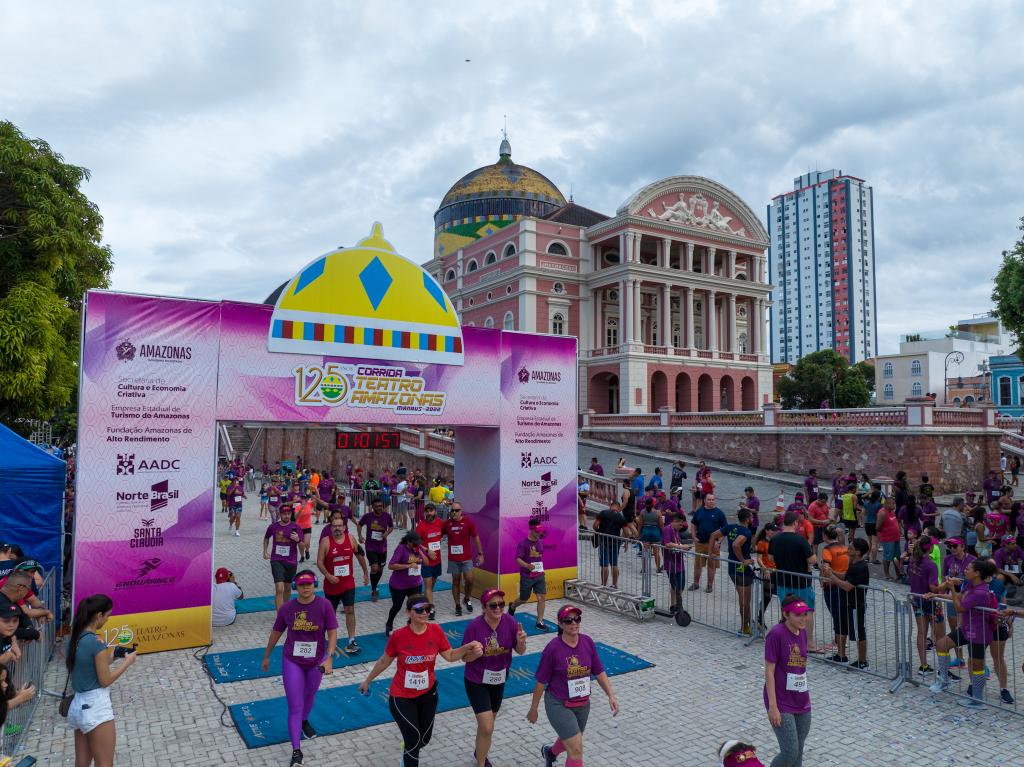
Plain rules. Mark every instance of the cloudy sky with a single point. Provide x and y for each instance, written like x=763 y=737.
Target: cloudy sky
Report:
x=230 y=143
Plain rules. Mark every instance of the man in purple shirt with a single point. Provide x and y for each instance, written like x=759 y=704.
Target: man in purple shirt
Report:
x=752 y=502
x=992 y=485
x=675 y=560
x=326 y=487
x=811 y=484
x=280 y=546
x=530 y=558
x=379 y=526
x=1008 y=560
x=596 y=468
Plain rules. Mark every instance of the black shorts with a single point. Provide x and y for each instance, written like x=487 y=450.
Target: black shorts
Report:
x=283 y=572
x=306 y=531
x=484 y=697
x=851 y=524
x=1002 y=633
x=377 y=558
x=743 y=577
x=347 y=598
x=959 y=640
x=223 y=496
x=870 y=528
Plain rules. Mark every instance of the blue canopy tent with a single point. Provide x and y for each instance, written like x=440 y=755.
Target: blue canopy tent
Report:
x=31 y=499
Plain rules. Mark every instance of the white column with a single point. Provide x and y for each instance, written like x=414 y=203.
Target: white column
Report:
x=732 y=265
x=689 y=256
x=666 y=252
x=637 y=237
x=754 y=321
x=637 y=312
x=761 y=335
x=629 y=248
x=688 y=337
x=624 y=325
x=710 y=268
x=711 y=326
x=733 y=340
x=665 y=337
x=622 y=247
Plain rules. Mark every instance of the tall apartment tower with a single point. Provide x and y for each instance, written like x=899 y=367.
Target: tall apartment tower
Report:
x=821 y=259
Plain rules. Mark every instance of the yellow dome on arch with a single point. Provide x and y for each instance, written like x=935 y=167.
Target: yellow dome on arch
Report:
x=367 y=301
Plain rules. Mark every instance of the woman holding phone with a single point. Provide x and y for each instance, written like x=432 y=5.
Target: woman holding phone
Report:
x=91 y=673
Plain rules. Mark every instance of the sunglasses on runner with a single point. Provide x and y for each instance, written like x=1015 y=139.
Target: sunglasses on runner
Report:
x=421 y=609
x=496 y=605
x=567 y=621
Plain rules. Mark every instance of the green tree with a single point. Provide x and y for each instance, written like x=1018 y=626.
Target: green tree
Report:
x=1008 y=292
x=50 y=254
x=821 y=376
x=867 y=372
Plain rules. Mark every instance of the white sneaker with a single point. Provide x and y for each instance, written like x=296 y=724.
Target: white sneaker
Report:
x=940 y=685
x=237 y=534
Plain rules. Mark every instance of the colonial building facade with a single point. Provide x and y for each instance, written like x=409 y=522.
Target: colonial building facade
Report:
x=668 y=297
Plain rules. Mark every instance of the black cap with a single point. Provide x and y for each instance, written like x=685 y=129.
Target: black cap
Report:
x=8 y=609
x=27 y=564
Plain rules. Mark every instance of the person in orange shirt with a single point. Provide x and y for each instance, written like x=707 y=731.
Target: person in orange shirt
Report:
x=767 y=569
x=304 y=519
x=835 y=560
x=819 y=513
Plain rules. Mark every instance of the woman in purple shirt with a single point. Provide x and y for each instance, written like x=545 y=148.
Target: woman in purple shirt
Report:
x=924 y=579
x=786 y=694
x=499 y=634
x=977 y=627
x=406 y=574
x=308 y=654
x=563 y=680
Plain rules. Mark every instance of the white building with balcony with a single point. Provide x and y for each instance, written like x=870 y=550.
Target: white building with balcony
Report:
x=668 y=297
x=926 y=360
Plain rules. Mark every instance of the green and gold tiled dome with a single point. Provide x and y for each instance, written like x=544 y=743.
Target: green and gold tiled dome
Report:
x=490 y=198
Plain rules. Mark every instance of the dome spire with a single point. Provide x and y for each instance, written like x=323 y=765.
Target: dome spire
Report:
x=505 y=149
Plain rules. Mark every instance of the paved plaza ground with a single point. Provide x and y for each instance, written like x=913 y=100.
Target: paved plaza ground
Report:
x=705 y=687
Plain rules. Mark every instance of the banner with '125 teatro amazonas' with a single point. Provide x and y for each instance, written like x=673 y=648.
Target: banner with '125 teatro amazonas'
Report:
x=144 y=495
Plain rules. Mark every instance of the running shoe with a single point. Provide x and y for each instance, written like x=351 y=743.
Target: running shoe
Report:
x=971 y=703
x=296 y=759
x=859 y=665
x=549 y=758
x=237 y=534
x=374 y=595
x=693 y=587
x=955 y=662
x=542 y=627
x=468 y=604
x=939 y=685
x=458 y=610
x=1005 y=697
x=352 y=648
x=837 y=658
x=925 y=669
x=308 y=733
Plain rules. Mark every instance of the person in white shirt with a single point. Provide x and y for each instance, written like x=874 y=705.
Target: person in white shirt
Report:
x=225 y=592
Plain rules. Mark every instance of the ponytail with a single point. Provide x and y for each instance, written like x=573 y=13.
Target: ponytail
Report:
x=86 y=612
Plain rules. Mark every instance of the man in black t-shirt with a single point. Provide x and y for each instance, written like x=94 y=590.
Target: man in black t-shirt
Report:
x=854 y=587
x=793 y=557
x=678 y=475
x=608 y=525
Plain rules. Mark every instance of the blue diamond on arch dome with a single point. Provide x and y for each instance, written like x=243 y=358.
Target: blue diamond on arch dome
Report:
x=435 y=292
x=376 y=281
x=310 y=274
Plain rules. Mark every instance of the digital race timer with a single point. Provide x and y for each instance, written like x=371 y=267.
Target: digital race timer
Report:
x=373 y=440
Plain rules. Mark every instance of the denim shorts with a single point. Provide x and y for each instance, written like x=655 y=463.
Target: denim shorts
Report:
x=805 y=594
x=890 y=551
x=608 y=554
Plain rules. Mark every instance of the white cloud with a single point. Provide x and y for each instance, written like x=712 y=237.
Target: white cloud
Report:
x=232 y=143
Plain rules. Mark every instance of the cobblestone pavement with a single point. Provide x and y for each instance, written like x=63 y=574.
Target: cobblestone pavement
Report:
x=705 y=686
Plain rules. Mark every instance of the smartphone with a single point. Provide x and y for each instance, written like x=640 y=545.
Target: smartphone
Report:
x=120 y=652
x=28 y=761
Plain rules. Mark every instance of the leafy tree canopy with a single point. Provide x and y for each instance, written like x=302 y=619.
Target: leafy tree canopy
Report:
x=50 y=254
x=1008 y=291
x=824 y=376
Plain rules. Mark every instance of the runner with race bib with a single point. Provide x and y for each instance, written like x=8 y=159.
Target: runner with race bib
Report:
x=499 y=634
x=412 y=697
x=308 y=654
x=786 y=691
x=336 y=560
x=530 y=558
x=564 y=681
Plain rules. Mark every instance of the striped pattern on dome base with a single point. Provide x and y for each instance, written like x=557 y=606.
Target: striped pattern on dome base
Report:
x=354 y=335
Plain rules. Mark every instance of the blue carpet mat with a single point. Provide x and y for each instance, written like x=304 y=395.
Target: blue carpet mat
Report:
x=242 y=665
x=263 y=604
x=343 y=709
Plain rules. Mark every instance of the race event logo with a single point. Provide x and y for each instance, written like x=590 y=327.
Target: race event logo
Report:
x=127 y=352
x=539 y=511
x=365 y=386
x=530 y=460
x=539 y=376
x=544 y=484
x=144 y=576
x=158 y=495
x=161 y=494
x=524 y=375
x=127 y=465
x=148 y=536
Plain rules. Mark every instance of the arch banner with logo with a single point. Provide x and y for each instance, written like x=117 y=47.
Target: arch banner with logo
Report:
x=158 y=374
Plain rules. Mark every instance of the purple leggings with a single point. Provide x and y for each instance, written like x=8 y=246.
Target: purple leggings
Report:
x=300 y=686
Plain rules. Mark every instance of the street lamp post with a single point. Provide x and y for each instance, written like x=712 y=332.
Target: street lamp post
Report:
x=953 y=356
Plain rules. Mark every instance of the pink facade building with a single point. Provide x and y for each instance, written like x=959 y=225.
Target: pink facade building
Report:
x=668 y=297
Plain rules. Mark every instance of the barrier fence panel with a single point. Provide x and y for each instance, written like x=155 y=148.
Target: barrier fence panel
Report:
x=30 y=668
x=1000 y=667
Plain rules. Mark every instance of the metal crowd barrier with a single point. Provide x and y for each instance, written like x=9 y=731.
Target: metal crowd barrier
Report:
x=31 y=667
x=1001 y=657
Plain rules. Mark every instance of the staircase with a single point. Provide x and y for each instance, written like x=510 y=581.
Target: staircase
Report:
x=239 y=441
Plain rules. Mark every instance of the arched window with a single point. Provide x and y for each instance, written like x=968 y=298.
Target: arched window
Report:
x=743 y=343
x=509 y=251
x=915 y=368
x=471 y=324
x=490 y=258
x=611 y=256
x=557 y=249
x=449 y=275
x=916 y=390
x=611 y=333
x=957 y=401
x=558 y=325
x=887 y=370
x=472 y=265
x=509 y=322
x=887 y=392
x=489 y=322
